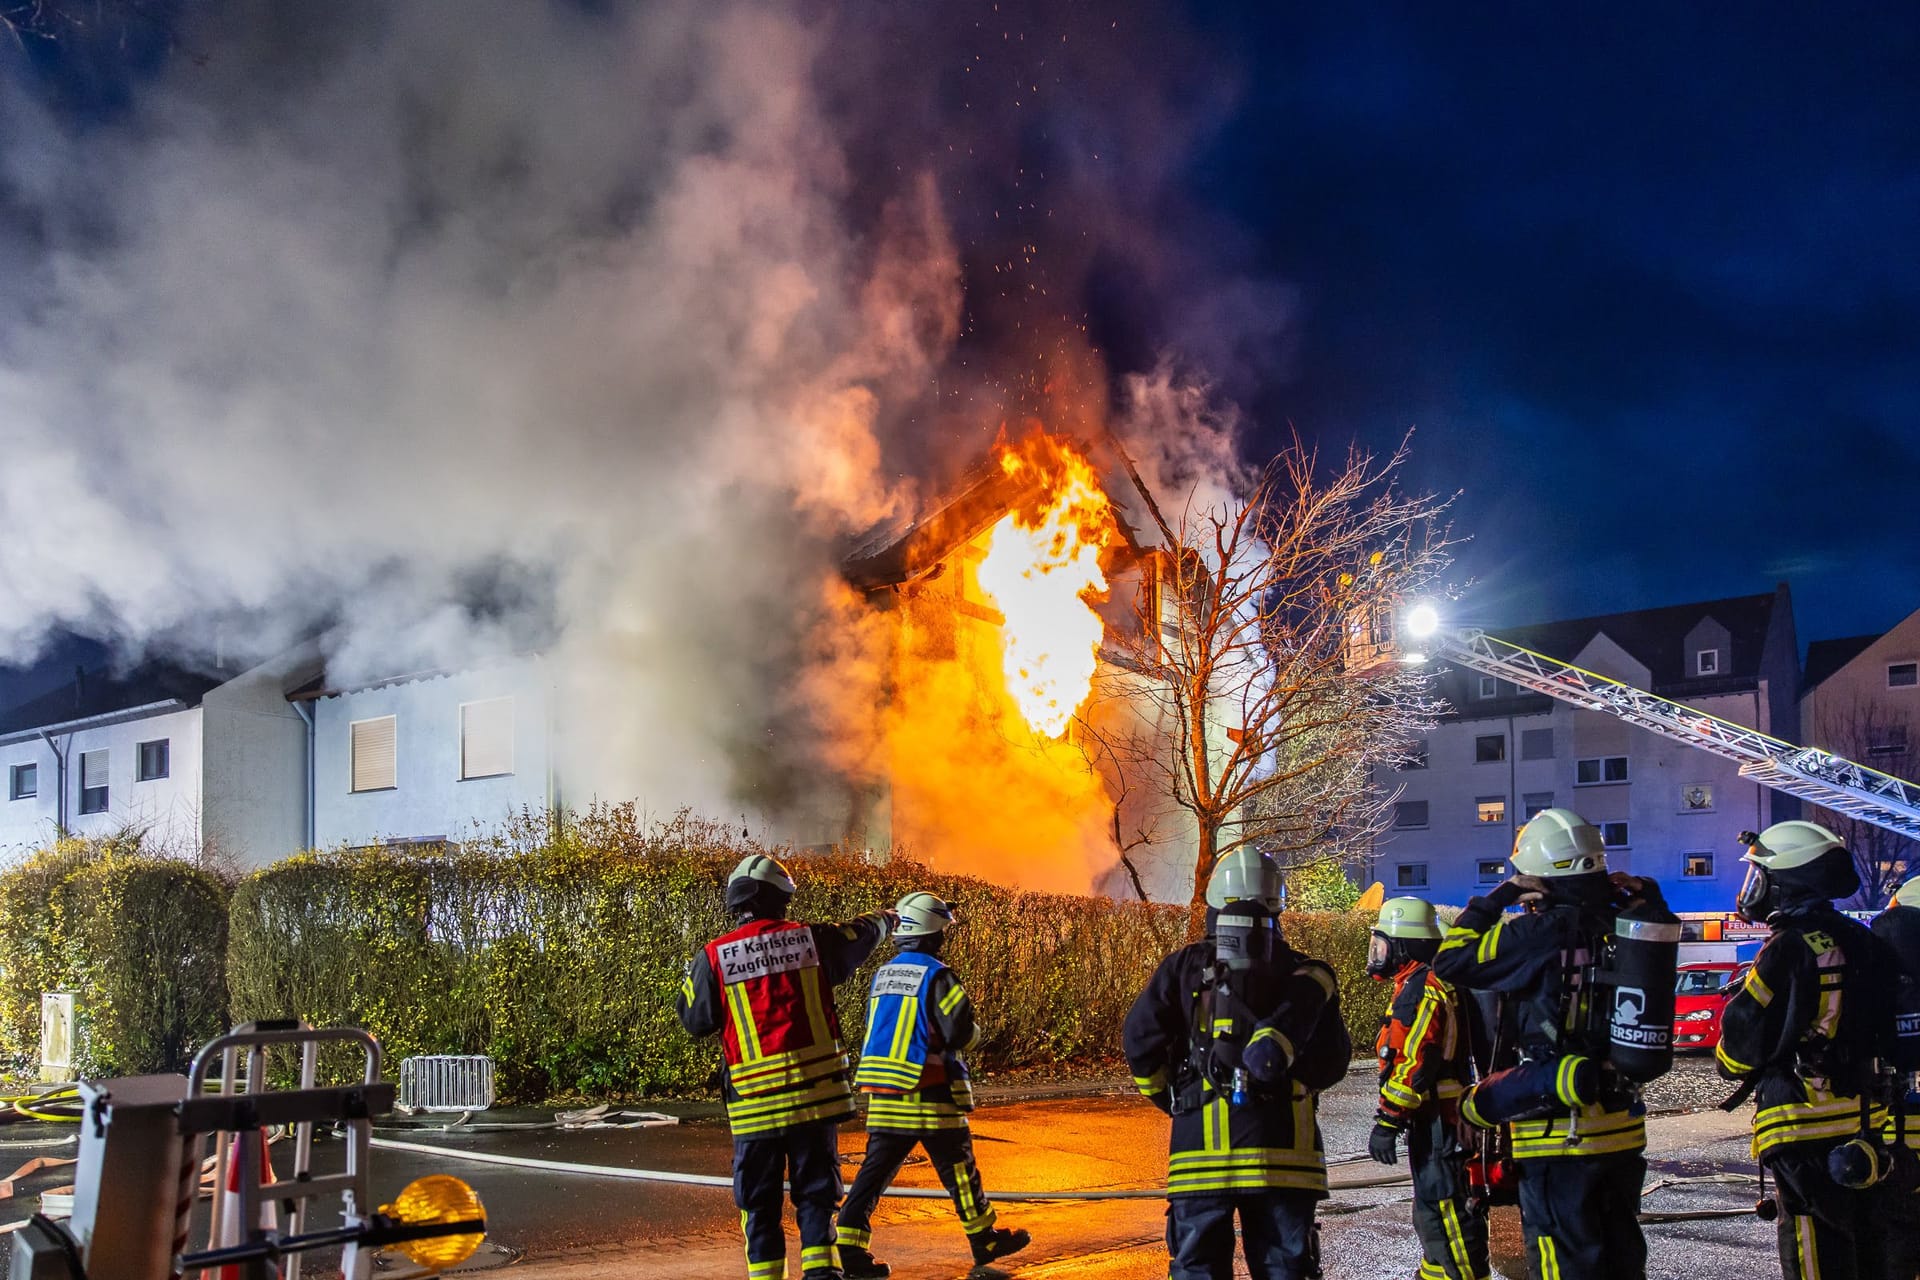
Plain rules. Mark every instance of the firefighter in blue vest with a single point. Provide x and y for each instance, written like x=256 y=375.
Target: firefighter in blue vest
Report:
x=766 y=987
x=919 y=1022
x=1235 y=1037
x=1802 y=1034
x=1579 y=1145
x=1425 y=1053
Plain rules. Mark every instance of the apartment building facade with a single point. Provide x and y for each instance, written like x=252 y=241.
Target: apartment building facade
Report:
x=1666 y=810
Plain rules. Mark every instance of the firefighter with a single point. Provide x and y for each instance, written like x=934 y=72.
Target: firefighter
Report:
x=1425 y=1066
x=1579 y=1152
x=1801 y=1034
x=1235 y=1037
x=919 y=1022
x=1899 y=928
x=767 y=988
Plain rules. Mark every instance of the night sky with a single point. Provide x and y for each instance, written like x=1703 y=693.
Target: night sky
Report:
x=1643 y=280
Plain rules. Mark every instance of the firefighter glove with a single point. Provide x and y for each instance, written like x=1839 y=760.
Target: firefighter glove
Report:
x=1504 y=894
x=1265 y=1060
x=1383 y=1144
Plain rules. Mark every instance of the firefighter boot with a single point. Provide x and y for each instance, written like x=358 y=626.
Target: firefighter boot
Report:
x=992 y=1245
x=858 y=1264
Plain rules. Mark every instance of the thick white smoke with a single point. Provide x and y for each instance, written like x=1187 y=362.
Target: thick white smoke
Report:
x=365 y=307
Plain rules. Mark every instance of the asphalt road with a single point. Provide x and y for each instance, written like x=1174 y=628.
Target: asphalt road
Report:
x=573 y=1226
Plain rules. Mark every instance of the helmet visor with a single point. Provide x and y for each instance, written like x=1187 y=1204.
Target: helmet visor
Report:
x=1751 y=904
x=1379 y=954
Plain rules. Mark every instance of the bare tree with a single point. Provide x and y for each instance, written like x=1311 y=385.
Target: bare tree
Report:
x=1886 y=739
x=1258 y=653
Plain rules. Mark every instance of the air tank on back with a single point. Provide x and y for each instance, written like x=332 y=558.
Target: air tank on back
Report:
x=1637 y=977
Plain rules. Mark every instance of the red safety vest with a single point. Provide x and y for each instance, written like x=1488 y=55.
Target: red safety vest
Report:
x=781 y=1038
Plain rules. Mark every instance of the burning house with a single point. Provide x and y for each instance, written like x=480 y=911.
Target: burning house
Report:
x=997 y=608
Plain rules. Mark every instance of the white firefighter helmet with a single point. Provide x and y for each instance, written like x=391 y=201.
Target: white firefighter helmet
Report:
x=1558 y=842
x=922 y=915
x=1908 y=894
x=1245 y=875
x=1408 y=918
x=758 y=866
x=1786 y=845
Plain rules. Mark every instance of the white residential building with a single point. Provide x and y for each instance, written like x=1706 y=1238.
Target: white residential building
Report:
x=1666 y=810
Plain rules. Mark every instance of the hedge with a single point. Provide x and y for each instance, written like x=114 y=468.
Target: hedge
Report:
x=557 y=950
x=140 y=940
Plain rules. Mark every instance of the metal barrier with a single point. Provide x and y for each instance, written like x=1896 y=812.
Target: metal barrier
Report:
x=446 y=1082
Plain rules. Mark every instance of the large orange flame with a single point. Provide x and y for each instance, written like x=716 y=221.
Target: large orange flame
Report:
x=1042 y=571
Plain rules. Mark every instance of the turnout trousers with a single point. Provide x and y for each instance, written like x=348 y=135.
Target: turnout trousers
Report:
x=950 y=1150
x=808 y=1157
x=1581 y=1216
x=1276 y=1229
x=1826 y=1232
x=1453 y=1238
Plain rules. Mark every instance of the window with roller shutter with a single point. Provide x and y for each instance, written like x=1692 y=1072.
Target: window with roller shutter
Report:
x=486 y=738
x=373 y=755
x=93 y=781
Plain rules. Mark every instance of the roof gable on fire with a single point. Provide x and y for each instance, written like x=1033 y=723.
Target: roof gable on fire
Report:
x=918 y=541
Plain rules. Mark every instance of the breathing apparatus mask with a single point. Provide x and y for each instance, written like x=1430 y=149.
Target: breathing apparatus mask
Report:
x=1387 y=956
x=1822 y=877
x=1245 y=937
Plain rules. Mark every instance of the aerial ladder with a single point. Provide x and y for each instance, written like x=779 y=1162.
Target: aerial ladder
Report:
x=1830 y=781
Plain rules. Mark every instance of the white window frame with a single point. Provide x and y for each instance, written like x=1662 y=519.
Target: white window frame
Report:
x=1480 y=802
x=1626 y=771
x=1688 y=807
x=1489 y=687
x=1525 y=802
x=353 y=755
x=1686 y=864
x=1706 y=662
x=13 y=780
x=467 y=774
x=1411 y=826
x=1400 y=880
x=1909 y=665
x=1626 y=834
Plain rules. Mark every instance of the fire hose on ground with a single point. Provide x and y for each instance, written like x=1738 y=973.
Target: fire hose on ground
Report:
x=631 y=1174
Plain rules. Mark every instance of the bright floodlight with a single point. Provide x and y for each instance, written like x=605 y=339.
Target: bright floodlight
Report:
x=1422 y=621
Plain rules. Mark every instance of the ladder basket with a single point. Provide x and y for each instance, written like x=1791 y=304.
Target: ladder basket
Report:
x=446 y=1082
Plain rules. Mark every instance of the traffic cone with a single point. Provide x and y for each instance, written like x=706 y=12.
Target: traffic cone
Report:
x=230 y=1233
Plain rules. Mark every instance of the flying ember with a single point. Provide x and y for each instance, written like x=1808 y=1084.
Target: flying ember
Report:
x=1042 y=570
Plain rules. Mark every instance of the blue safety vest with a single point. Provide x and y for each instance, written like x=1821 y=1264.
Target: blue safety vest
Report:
x=899 y=1033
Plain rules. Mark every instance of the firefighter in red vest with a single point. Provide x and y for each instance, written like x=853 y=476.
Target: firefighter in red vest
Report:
x=1425 y=1068
x=767 y=989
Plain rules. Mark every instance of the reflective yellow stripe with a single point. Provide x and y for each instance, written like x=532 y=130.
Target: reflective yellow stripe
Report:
x=810 y=981
x=1805 y=1241
x=1153 y=1083
x=912 y=1112
x=951 y=1001
x=772 y=1269
x=1596 y=1131
x=1214 y=1126
x=819 y=1257
x=1250 y=1168
x=1549 y=1259
x=905 y=1020
x=686 y=990
x=1823 y=1116
x=1756 y=986
x=744 y=1030
x=850 y=1236
x=1733 y=1065
x=1490 y=943
x=1456 y=1240
x=1321 y=976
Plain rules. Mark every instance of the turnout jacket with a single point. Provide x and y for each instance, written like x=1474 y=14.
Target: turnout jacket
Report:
x=1423 y=1047
x=767 y=989
x=1805 y=1025
x=919 y=1022
x=1534 y=959
x=1272 y=1142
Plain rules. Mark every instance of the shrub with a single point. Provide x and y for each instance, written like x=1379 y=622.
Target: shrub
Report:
x=557 y=950
x=139 y=940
